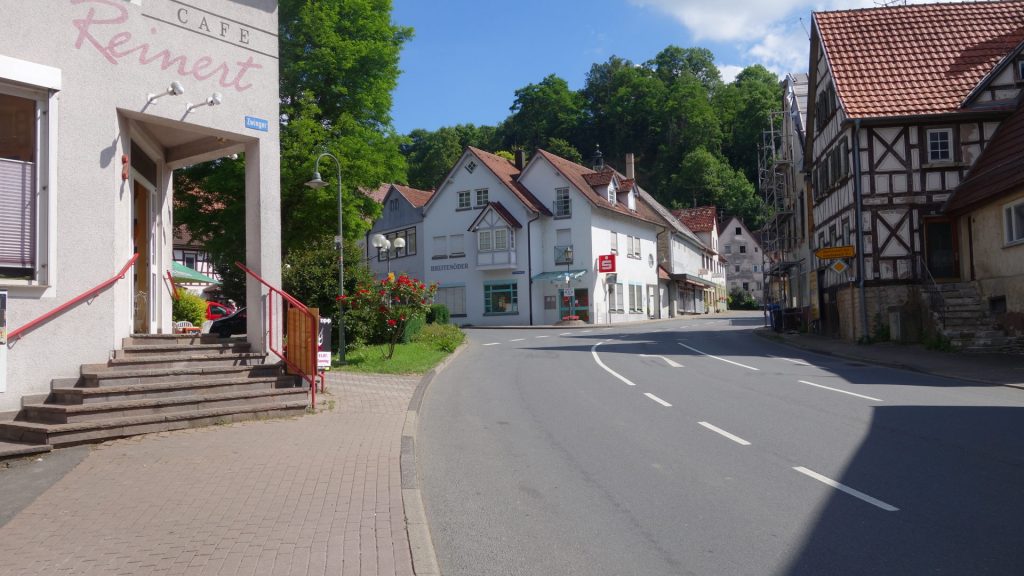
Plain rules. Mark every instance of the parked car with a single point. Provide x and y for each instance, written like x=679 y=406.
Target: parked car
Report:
x=215 y=310
x=229 y=325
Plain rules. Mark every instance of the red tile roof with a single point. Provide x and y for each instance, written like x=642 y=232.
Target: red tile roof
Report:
x=377 y=194
x=415 y=196
x=700 y=219
x=509 y=175
x=581 y=177
x=501 y=210
x=917 y=59
x=998 y=170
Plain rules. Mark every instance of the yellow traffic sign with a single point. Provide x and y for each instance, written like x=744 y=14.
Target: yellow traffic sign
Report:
x=835 y=252
x=839 y=266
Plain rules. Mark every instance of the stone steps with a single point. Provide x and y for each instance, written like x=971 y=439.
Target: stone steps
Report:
x=60 y=435
x=98 y=411
x=156 y=383
x=20 y=450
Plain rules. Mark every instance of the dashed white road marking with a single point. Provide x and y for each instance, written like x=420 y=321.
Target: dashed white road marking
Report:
x=593 y=351
x=847 y=489
x=840 y=391
x=543 y=336
x=668 y=361
x=517 y=339
x=492 y=343
x=717 y=358
x=566 y=334
x=585 y=331
x=658 y=400
x=796 y=361
x=732 y=437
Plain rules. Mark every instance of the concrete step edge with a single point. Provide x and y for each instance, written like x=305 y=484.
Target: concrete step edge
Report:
x=164 y=386
x=144 y=403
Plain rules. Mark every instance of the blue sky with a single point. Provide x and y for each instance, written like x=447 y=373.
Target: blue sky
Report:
x=467 y=58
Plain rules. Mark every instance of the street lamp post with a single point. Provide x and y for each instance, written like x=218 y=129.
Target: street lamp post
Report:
x=316 y=183
x=381 y=243
x=568 y=282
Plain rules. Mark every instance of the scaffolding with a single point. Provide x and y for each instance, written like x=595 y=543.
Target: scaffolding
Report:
x=780 y=183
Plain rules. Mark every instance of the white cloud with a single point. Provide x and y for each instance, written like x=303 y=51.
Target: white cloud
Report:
x=729 y=72
x=769 y=32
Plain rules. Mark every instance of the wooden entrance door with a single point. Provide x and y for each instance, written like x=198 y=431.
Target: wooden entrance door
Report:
x=141 y=296
x=942 y=253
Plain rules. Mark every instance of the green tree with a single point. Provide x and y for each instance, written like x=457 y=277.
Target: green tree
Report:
x=430 y=155
x=548 y=109
x=708 y=179
x=745 y=108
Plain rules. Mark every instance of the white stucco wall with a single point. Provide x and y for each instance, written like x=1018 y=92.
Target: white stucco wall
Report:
x=110 y=54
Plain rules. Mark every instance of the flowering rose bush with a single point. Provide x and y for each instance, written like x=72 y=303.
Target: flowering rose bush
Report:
x=389 y=304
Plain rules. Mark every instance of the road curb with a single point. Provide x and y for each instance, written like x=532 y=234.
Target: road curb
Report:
x=424 y=559
x=767 y=334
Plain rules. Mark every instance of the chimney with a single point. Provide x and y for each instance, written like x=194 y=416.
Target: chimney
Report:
x=629 y=166
x=520 y=159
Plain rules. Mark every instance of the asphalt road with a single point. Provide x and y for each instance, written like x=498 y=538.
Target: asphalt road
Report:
x=692 y=446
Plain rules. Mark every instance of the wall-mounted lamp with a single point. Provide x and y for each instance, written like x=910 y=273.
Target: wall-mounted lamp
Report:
x=175 y=89
x=214 y=100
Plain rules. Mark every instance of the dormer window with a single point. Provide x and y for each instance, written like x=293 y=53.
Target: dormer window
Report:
x=1020 y=70
x=611 y=193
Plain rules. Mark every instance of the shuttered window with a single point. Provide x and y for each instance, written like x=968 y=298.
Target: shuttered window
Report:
x=19 y=155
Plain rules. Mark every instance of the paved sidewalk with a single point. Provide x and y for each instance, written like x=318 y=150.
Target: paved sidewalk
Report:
x=996 y=369
x=320 y=494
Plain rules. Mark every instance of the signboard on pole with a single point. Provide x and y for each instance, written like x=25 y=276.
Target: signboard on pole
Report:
x=606 y=263
x=839 y=266
x=835 y=252
x=323 y=341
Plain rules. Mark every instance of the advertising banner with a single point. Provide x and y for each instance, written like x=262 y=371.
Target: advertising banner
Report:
x=323 y=340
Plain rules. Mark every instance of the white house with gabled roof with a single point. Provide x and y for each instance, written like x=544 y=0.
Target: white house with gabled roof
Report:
x=516 y=244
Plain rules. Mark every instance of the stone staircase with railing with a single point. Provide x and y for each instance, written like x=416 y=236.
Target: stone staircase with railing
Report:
x=966 y=320
x=156 y=383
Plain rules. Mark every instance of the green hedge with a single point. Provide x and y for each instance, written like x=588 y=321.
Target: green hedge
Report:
x=412 y=328
x=438 y=314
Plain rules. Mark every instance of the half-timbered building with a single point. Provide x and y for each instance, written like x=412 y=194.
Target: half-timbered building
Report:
x=902 y=101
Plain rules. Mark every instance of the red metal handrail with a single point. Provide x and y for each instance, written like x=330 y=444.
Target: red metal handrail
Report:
x=17 y=332
x=311 y=378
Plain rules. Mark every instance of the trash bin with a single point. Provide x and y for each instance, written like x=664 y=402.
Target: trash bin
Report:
x=775 y=313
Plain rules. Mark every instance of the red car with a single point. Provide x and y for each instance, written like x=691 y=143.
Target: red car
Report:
x=215 y=310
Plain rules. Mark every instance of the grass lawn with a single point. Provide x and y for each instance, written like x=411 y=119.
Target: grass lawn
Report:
x=411 y=358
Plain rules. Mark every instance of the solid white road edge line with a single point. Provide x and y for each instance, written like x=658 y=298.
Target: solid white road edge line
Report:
x=847 y=489
x=716 y=357
x=593 y=350
x=840 y=391
x=668 y=361
x=658 y=400
x=732 y=437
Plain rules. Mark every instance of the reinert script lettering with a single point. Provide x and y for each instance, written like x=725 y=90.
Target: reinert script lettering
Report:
x=114 y=44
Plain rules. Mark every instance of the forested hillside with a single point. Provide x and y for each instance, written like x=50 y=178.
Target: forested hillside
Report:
x=695 y=137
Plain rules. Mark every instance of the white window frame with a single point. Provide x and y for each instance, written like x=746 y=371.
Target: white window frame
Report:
x=42 y=84
x=465 y=201
x=457 y=246
x=484 y=240
x=616 y=298
x=932 y=151
x=440 y=248
x=614 y=242
x=563 y=203
x=1013 y=223
x=502 y=239
x=636 y=298
x=481 y=197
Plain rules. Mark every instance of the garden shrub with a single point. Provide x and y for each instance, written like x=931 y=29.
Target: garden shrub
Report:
x=444 y=337
x=189 y=307
x=438 y=314
x=413 y=327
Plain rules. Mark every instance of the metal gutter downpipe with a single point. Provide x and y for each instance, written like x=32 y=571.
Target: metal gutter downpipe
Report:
x=529 y=264
x=860 y=228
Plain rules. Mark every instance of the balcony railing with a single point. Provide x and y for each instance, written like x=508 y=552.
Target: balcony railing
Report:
x=496 y=260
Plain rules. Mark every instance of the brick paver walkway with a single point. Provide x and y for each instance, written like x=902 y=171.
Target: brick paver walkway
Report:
x=320 y=494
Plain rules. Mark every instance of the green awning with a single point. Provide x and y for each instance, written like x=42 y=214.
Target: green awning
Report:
x=182 y=273
x=559 y=277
